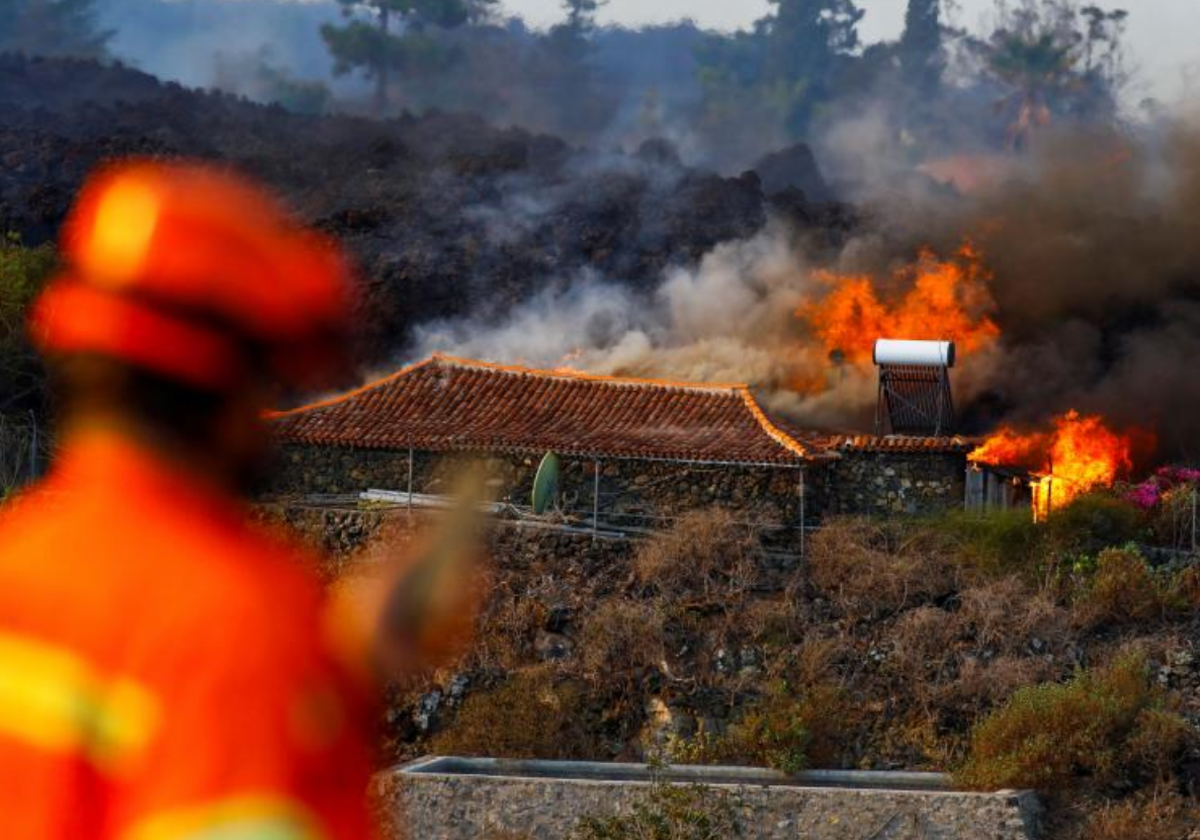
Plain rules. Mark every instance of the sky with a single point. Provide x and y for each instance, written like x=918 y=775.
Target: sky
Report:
x=1163 y=44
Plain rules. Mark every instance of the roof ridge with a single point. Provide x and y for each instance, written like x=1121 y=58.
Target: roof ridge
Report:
x=777 y=434
x=583 y=376
x=354 y=392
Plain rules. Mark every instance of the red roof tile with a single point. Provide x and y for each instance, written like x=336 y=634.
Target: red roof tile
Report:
x=831 y=442
x=444 y=403
x=901 y=443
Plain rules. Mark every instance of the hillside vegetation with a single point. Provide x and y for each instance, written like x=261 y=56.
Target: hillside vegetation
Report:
x=1050 y=656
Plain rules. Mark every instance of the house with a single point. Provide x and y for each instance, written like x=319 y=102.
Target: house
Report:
x=633 y=451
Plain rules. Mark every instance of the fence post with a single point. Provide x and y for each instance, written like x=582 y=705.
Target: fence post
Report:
x=410 y=479
x=596 y=502
x=802 y=522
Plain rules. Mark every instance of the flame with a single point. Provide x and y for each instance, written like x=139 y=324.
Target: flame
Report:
x=1078 y=454
x=946 y=299
x=569 y=361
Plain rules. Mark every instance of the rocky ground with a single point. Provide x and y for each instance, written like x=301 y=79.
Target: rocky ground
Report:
x=884 y=648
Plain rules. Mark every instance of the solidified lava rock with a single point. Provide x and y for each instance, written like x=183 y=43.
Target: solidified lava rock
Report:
x=444 y=212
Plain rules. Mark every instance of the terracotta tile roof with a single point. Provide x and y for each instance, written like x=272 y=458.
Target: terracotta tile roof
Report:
x=899 y=443
x=444 y=403
x=833 y=442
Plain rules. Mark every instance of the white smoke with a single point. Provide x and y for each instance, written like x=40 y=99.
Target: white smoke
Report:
x=729 y=319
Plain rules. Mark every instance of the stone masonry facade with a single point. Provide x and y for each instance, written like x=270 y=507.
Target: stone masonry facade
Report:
x=639 y=493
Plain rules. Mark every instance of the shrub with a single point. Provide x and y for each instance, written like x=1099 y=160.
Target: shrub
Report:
x=1093 y=522
x=668 y=812
x=1006 y=614
x=782 y=731
x=868 y=570
x=922 y=647
x=704 y=554
x=533 y=715
x=620 y=639
x=996 y=543
x=769 y=621
x=1046 y=736
x=985 y=683
x=1161 y=814
x=1123 y=588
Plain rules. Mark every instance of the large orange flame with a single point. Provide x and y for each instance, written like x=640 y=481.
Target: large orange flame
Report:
x=1079 y=453
x=941 y=299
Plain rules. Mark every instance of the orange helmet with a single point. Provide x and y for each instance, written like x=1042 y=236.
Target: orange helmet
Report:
x=194 y=274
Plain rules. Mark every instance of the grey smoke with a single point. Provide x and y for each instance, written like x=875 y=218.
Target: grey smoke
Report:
x=1097 y=287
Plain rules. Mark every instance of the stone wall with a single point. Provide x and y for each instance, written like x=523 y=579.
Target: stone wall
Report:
x=888 y=483
x=435 y=805
x=341 y=533
x=632 y=492
x=635 y=493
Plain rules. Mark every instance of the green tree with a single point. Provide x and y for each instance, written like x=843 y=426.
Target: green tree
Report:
x=1103 y=44
x=51 y=27
x=922 y=59
x=385 y=36
x=23 y=271
x=786 y=66
x=581 y=15
x=570 y=78
x=1049 y=67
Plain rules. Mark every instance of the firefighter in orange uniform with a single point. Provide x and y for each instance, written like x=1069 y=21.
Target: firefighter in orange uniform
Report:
x=167 y=670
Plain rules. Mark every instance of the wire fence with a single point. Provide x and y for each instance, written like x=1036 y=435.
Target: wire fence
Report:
x=1170 y=534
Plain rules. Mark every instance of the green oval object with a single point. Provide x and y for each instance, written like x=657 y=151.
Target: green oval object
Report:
x=545 y=483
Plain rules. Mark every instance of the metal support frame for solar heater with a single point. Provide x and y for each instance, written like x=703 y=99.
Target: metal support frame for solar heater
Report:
x=943 y=402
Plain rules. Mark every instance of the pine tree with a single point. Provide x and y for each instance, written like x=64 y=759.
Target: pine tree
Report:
x=395 y=35
x=921 y=57
x=51 y=27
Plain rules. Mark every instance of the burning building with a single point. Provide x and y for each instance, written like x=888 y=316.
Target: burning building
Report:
x=633 y=451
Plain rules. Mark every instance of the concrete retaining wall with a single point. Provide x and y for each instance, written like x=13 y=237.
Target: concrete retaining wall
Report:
x=457 y=799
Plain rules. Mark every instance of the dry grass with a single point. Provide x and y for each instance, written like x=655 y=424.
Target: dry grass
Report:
x=619 y=639
x=535 y=714
x=770 y=621
x=867 y=571
x=1007 y=614
x=705 y=555
x=507 y=630
x=983 y=684
x=922 y=649
x=783 y=730
x=1159 y=814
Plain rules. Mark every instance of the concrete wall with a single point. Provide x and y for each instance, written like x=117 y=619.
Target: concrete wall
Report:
x=639 y=492
x=451 y=799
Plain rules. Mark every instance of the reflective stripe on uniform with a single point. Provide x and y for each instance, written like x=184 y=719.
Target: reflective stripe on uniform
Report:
x=253 y=817
x=53 y=699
